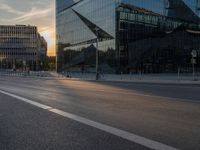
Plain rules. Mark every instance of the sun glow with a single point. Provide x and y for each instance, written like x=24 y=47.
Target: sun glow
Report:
x=49 y=36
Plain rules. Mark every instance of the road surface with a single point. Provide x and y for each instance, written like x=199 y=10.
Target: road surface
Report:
x=98 y=115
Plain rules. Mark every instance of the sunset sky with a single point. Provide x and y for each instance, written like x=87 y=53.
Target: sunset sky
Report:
x=34 y=12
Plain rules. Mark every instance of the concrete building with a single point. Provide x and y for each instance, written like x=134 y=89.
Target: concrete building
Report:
x=42 y=53
x=21 y=47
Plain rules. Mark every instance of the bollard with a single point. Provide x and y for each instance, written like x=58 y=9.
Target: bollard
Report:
x=140 y=74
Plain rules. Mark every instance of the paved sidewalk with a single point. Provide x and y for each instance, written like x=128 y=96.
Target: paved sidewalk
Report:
x=139 y=78
x=150 y=78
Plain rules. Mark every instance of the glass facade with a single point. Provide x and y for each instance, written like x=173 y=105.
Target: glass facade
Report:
x=152 y=43
x=61 y=5
x=159 y=6
x=127 y=31
x=77 y=40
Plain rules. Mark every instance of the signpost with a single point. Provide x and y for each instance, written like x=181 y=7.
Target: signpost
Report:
x=194 y=53
x=193 y=62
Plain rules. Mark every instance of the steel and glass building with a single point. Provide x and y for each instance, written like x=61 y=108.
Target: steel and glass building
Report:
x=21 y=47
x=150 y=36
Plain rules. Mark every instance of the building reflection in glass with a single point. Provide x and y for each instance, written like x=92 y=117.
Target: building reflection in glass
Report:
x=151 y=36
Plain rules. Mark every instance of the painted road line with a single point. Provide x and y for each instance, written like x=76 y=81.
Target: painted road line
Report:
x=114 y=131
x=26 y=100
x=120 y=133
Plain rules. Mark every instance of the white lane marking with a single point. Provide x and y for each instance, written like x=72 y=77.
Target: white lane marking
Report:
x=26 y=100
x=114 y=131
x=120 y=133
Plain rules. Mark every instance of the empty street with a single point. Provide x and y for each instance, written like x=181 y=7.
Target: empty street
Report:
x=74 y=114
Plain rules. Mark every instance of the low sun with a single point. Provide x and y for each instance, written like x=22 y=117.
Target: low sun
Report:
x=47 y=37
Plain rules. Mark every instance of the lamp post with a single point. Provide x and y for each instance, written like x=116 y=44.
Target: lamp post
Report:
x=97 y=55
x=1 y=62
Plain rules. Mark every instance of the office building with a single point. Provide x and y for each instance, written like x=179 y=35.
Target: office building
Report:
x=21 y=47
x=149 y=36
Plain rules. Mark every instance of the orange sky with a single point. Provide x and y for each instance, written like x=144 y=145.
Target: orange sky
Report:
x=49 y=35
x=31 y=12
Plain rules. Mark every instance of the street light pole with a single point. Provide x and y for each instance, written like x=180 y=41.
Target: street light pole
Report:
x=193 y=74
x=1 y=63
x=97 y=56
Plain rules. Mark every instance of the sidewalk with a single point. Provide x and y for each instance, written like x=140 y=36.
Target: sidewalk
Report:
x=32 y=74
x=144 y=78
x=136 y=78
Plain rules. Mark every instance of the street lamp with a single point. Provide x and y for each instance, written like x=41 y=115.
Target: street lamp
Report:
x=1 y=62
x=97 y=55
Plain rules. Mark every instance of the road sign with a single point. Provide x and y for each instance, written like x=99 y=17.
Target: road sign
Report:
x=194 y=53
x=193 y=61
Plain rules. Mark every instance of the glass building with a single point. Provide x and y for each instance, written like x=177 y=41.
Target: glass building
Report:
x=150 y=36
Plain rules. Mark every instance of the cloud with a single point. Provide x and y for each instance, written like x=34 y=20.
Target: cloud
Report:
x=9 y=9
x=35 y=13
x=39 y=13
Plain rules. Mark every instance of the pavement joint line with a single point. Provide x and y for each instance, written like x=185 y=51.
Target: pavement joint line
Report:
x=106 y=128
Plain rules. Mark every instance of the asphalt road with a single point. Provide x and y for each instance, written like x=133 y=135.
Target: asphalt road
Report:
x=166 y=113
